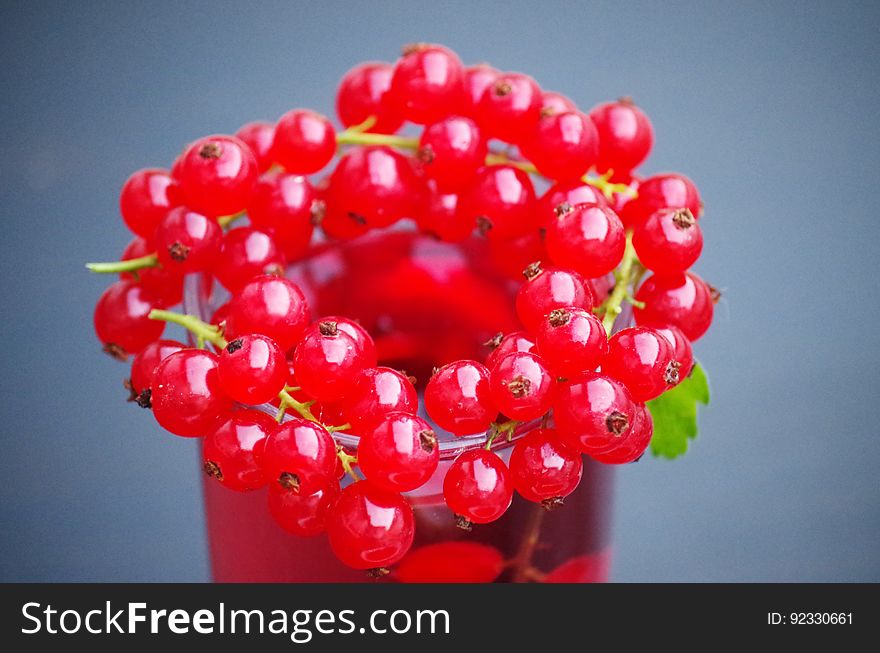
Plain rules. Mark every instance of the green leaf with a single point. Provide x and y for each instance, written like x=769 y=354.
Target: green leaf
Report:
x=675 y=414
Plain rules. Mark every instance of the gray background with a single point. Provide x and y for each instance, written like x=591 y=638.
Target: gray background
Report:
x=771 y=107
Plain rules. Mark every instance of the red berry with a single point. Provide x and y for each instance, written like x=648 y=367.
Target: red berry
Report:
x=270 y=305
x=373 y=186
x=451 y=151
x=228 y=451
x=501 y=202
x=143 y=367
x=682 y=300
x=667 y=191
x=571 y=192
x=543 y=469
x=245 y=253
x=438 y=215
x=459 y=399
x=362 y=94
x=186 y=394
x=588 y=238
x=427 y=84
x=253 y=369
x=376 y=392
x=563 y=145
x=553 y=102
x=510 y=107
x=327 y=361
x=288 y=206
x=370 y=528
x=145 y=199
x=303 y=515
x=258 y=136
x=635 y=444
x=304 y=142
x=164 y=284
x=451 y=562
x=512 y=343
x=641 y=359
x=121 y=319
x=300 y=456
x=682 y=352
x=187 y=241
x=476 y=80
x=513 y=255
x=625 y=135
x=477 y=487
x=669 y=241
x=359 y=334
x=217 y=175
x=593 y=412
x=522 y=386
x=400 y=454
x=572 y=340
x=546 y=289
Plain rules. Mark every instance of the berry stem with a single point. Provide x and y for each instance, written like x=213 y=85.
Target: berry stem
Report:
x=203 y=331
x=500 y=158
x=352 y=136
x=522 y=562
x=341 y=427
x=498 y=430
x=131 y=265
x=348 y=461
x=301 y=407
x=608 y=188
x=227 y=220
x=625 y=275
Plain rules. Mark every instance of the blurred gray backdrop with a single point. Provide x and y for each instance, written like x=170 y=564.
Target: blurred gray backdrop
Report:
x=771 y=107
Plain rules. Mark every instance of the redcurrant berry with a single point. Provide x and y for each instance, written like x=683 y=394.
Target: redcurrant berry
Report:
x=376 y=392
x=477 y=488
x=217 y=175
x=476 y=80
x=459 y=398
x=543 y=469
x=299 y=514
x=258 y=136
x=304 y=142
x=635 y=444
x=359 y=334
x=510 y=108
x=522 y=386
x=572 y=340
x=438 y=215
x=145 y=199
x=593 y=412
x=625 y=135
x=451 y=151
x=273 y=306
x=641 y=359
x=143 y=367
x=682 y=300
x=327 y=360
x=252 y=369
x=122 y=320
x=362 y=94
x=588 y=238
x=228 y=451
x=370 y=528
x=667 y=191
x=186 y=394
x=400 y=454
x=427 y=84
x=187 y=241
x=546 y=289
x=682 y=352
x=300 y=456
x=553 y=102
x=288 y=206
x=165 y=285
x=451 y=562
x=513 y=255
x=567 y=192
x=512 y=343
x=669 y=241
x=563 y=145
x=501 y=202
x=245 y=253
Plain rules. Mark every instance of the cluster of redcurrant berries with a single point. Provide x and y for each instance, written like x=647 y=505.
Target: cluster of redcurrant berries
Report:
x=570 y=381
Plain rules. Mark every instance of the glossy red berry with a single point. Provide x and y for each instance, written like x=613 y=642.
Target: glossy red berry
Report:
x=635 y=444
x=588 y=238
x=373 y=186
x=513 y=255
x=300 y=456
x=546 y=289
x=217 y=175
x=253 y=369
x=641 y=359
x=438 y=215
x=501 y=202
x=451 y=151
x=682 y=300
x=563 y=146
x=666 y=191
x=502 y=346
x=553 y=102
x=187 y=241
x=273 y=306
x=400 y=454
x=143 y=367
x=669 y=241
x=228 y=450
x=258 y=136
x=572 y=340
x=164 y=284
x=459 y=398
x=476 y=80
x=327 y=360
x=370 y=528
x=522 y=386
x=364 y=341
x=302 y=515
x=567 y=192
x=304 y=142
x=682 y=352
x=477 y=487
x=362 y=94
x=543 y=469
x=510 y=107
x=245 y=253
x=186 y=394
x=376 y=392
x=427 y=84
x=451 y=562
x=593 y=412
x=288 y=206
x=145 y=199
x=122 y=320
x=625 y=135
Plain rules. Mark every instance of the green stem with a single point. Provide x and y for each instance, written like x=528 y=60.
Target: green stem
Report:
x=227 y=220
x=352 y=136
x=301 y=407
x=348 y=461
x=624 y=276
x=131 y=265
x=341 y=427
x=499 y=158
x=203 y=331
x=608 y=188
x=498 y=430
